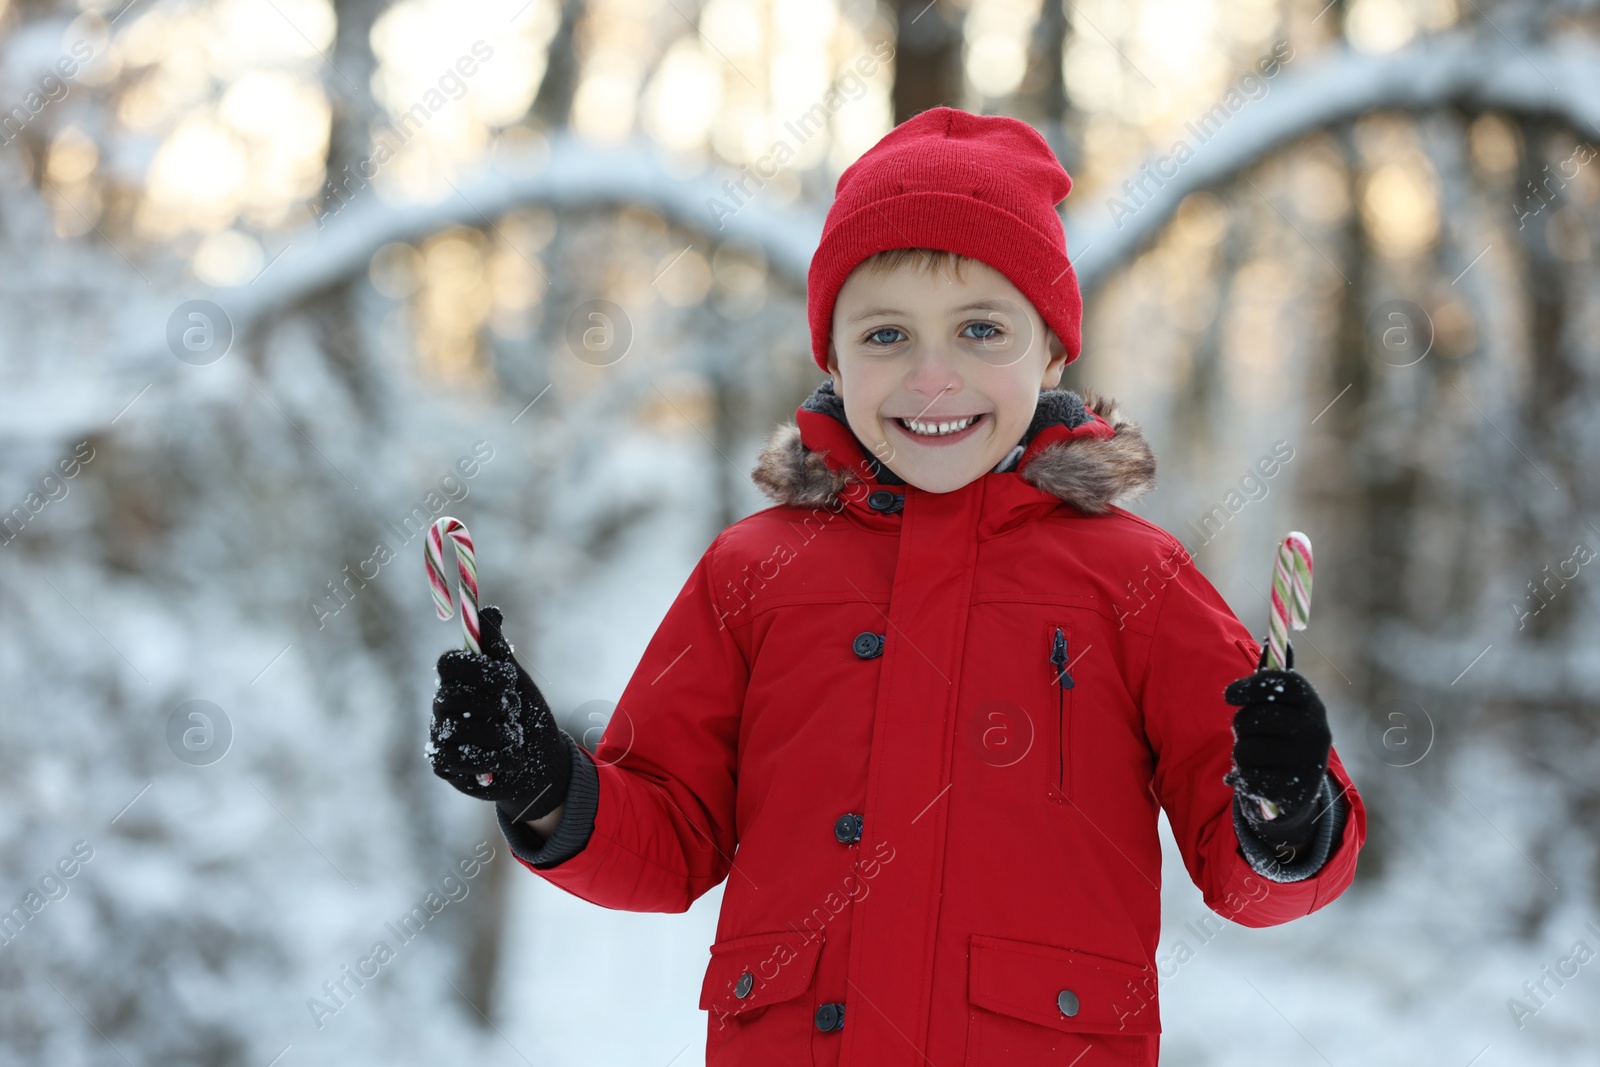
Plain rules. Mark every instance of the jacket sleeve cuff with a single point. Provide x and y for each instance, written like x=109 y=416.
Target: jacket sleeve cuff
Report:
x=1326 y=834
x=577 y=821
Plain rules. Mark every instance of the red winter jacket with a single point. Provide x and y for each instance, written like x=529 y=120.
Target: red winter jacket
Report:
x=856 y=711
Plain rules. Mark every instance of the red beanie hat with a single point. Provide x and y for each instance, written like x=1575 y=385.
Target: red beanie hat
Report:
x=983 y=186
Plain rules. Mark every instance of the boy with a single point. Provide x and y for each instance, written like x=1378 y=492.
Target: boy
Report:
x=921 y=713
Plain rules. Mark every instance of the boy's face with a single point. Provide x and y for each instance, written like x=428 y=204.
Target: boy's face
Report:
x=923 y=345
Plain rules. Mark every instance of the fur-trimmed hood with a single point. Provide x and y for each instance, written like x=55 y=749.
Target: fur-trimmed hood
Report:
x=1105 y=462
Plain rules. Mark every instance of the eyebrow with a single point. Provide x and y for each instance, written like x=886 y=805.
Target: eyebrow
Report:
x=997 y=304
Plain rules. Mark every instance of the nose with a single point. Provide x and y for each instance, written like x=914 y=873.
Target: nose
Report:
x=933 y=373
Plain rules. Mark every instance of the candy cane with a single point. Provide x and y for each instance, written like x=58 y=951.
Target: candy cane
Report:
x=1291 y=608
x=467 y=564
x=1291 y=596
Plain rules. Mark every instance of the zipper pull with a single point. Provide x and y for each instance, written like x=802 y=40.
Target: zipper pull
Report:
x=1058 y=656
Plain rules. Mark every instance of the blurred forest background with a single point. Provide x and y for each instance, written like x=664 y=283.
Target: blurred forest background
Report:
x=286 y=279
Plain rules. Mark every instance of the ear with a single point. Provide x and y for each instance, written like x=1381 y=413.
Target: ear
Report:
x=833 y=369
x=1057 y=363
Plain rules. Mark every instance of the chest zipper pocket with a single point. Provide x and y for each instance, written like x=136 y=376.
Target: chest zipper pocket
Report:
x=1061 y=786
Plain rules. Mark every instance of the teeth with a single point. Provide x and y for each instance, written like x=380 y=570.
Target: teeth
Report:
x=938 y=429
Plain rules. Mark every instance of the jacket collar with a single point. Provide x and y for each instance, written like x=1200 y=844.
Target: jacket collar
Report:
x=1077 y=450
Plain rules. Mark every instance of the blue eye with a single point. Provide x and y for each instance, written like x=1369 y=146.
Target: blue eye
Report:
x=875 y=337
x=997 y=330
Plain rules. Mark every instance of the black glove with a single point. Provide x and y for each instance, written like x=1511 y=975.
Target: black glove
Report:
x=489 y=717
x=1281 y=742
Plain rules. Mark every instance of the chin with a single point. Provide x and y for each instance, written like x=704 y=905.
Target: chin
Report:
x=940 y=481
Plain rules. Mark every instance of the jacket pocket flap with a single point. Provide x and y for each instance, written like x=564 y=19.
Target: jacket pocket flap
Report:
x=1062 y=988
x=765 y=968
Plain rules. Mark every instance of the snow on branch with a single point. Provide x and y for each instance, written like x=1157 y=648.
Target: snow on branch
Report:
x=1561 y=81
x=574 y=176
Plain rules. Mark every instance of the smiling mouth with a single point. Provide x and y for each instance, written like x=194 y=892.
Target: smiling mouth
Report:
x=938 y=427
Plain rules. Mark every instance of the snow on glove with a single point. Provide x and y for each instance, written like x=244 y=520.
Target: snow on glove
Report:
x=1281 y=742
x=488 y=716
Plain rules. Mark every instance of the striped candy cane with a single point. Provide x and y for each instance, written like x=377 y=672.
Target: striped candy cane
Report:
x=1291 y=596
x=1291 y=607
x=467 y=564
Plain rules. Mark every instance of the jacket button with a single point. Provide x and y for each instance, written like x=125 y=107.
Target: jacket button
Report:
x=746 y=982
x=848 y=828
x=1067 y=1001
x=868 y=644
x=885 y=501
x=830 y=1017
